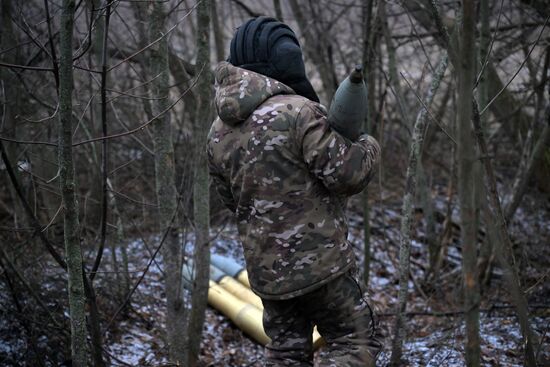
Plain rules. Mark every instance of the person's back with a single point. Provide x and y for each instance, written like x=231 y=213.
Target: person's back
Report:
x=285 y=173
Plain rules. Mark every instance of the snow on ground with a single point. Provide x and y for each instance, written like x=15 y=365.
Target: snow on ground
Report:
x=431 y=341
x=136 y=338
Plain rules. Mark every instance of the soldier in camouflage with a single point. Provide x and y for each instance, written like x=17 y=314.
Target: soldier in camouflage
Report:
x=283 y=171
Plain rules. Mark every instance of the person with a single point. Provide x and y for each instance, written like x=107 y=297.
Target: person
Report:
x=285 y=174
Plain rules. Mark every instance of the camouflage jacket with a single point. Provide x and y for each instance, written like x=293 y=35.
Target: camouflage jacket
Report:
x=284 y=172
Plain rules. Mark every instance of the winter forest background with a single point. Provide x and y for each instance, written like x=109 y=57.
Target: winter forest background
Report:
x=105 y=105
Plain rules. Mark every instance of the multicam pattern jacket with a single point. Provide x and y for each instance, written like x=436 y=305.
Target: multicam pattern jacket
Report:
x=284 y=172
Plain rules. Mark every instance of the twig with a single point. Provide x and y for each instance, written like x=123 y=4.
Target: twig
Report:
x=427 y=109
x=104 y=152
x=34 y=221
x=24 y=67
x=28 y=141
x=138 y=282
x=138 y=140
x=158 y=39
x=504 y=246
x=52 y=46
x=518 y=70
x=144 y=125
x=133 y=200
x=53 y=218
x=484 y=65
x=249 y=11
x=44 y=118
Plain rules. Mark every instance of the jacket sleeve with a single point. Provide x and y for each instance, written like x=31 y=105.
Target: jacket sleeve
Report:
x=220 y=183
x=344 y=167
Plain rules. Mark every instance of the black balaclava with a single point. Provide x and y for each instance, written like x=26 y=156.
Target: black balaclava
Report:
x=266 y=46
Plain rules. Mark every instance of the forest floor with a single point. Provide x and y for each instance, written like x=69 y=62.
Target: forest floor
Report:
x=435 y=329
x=435 y=325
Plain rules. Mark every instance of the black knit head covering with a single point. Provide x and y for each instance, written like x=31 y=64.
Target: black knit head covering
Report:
x=266 y=46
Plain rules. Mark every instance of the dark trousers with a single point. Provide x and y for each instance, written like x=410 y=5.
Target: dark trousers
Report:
x=342 y=316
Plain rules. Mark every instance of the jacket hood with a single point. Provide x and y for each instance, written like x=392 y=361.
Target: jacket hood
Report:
x=239 y=92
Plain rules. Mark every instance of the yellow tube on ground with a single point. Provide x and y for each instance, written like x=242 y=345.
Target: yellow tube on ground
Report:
x=247 y=317
x=239 y=290
x=243 y=278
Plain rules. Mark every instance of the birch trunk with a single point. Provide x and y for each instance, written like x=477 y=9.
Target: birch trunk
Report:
x=407 y=213
x=165 y=185
x=201 y=197
x=67 y=184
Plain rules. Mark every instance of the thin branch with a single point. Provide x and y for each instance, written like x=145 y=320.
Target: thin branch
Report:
x=53 y=218
x=518 y=70
x=133 y=136
x=104 y=158
x=428 y=110
x=52 y=46
x=33 y=220
x=2 y=138
x=247 y=9
x=496 y=217
x=144 y=125
x=138 y=282
x=484 y=65
x=157 y=40
x=25 y=67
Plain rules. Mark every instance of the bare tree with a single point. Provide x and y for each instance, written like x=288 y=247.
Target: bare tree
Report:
x=417 y=143
x=68 y=186
x=201 y=197
x=369 y=37
x=134 y=127
x=503 y=246
x=466 y=183
x=165 y=184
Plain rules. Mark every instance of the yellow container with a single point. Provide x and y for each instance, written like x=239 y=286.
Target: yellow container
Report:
x=239 y=291
x=247 y=317
x=243 y=278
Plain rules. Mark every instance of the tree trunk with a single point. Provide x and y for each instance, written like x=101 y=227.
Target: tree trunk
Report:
x=466 y=183
x=122 y=274
x=486 y=249
x=68 y=187
x=392 y=66
x=504 y=249
x=315 y=50
x=165 y=184
x=529 y=159
x=10 y=97
x=407 y=213
x=218 y=33
x=201 y=197
x=94 y=211
x=504 y=108
x=426 y=202
x=278 y=10
x=369 y=38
